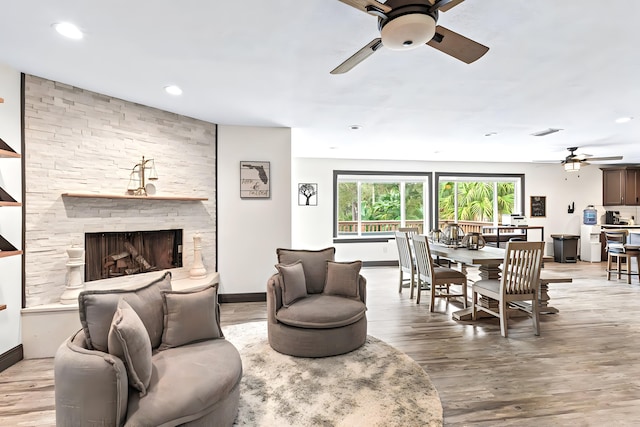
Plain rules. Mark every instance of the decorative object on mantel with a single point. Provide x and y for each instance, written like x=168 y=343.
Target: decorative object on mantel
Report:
x=146 y=169
x=198 y=271
x=307 y=194
x=75 y=284
x=255 y=182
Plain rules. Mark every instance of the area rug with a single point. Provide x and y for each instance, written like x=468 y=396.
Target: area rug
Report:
x=376 y=385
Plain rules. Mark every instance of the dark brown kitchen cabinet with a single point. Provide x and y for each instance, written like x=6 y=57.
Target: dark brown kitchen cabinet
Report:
x=613 y=186
x=632 y=187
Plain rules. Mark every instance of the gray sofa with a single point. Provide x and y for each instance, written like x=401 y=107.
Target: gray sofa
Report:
x=316 y=307
x=148 y=357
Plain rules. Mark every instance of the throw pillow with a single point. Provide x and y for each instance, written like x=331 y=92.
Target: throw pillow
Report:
x=293 y=282
x=97 y=308
x=128 y=340
x=343 y=278
x=314 y=263
x=190 y=316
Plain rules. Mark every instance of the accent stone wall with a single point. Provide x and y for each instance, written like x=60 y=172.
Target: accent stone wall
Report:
x=77 y=141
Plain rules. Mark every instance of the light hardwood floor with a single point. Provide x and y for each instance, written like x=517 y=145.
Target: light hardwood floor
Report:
x=584 y=369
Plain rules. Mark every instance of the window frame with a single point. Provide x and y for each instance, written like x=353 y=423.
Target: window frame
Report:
x=427 y=198
x=483 y=177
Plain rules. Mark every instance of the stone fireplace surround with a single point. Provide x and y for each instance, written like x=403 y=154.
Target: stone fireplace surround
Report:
x=78 y=141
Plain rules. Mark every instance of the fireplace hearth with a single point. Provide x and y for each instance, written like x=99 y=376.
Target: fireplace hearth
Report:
x=117 y=254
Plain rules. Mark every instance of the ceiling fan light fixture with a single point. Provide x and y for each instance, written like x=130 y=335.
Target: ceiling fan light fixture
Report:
x=408 y=31
x=572 y=166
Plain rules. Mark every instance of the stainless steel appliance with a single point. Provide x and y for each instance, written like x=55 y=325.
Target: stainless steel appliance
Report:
x=612 y=217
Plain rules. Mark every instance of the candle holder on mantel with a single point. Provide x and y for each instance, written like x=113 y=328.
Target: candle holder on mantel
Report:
x=75 y=284
x=198 y=271
x=142 y=171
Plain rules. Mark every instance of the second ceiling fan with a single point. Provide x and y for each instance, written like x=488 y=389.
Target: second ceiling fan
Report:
x=408 y=24
x=574 y=161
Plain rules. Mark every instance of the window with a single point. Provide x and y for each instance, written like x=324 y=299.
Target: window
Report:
x=478 y=199
x=375 y=204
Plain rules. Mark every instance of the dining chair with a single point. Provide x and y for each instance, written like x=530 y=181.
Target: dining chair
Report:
x=438 y=279
x=520 y=281
x=618 y=250
x=405 y=261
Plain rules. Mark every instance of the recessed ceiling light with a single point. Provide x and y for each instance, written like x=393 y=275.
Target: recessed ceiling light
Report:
x=69 y=30
x=173 y=90
x=624 y=119
x=355 y=127
x=491 y=134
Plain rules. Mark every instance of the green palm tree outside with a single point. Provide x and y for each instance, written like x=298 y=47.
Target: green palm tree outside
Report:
x=475 y=200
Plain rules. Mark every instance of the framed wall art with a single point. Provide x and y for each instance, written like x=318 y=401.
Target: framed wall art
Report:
x=255 y=180
x=307 y=194
x=538 y=206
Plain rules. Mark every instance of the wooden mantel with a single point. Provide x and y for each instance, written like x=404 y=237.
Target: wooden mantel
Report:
x=128 y=196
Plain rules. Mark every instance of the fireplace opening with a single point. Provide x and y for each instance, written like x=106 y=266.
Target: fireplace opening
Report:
x=117 y=254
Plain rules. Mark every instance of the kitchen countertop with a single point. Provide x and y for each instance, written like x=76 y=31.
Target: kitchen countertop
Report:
x=623 y=227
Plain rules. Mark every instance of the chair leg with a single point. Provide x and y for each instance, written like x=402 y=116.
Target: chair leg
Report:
x=401 y=277
x=432 y=292
x=419 y=291
x=628 y=259
x=608 y=267
x=504 y=318
x=474 y=312
x=464 y=294
x=412 y=284
x=535 y=314
x=619 y=266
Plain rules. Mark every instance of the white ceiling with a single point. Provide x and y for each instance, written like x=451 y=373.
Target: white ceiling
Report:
x=570 y=64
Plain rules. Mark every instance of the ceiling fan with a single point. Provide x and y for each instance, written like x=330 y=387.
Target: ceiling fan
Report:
x=408 y=24
x=574 y=161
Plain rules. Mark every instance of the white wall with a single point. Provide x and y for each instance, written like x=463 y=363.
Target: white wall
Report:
x=250 y=230
x=313 y=226
x=10 y=217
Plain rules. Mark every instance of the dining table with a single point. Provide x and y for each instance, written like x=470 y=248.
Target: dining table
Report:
x=489 y=261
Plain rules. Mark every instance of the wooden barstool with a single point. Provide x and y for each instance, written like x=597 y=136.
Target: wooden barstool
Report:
x=618 y=250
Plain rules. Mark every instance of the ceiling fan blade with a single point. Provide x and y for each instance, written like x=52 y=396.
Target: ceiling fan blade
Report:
x=358 y=57
x=601 y=159
x=444 y=5
x=457 y=45
x=368 y=6
x=548 y=161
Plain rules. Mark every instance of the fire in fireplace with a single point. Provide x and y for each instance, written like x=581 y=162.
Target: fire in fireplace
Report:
x=117 y=254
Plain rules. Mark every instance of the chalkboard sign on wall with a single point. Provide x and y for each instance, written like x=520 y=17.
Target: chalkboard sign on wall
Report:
x=538 y=206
